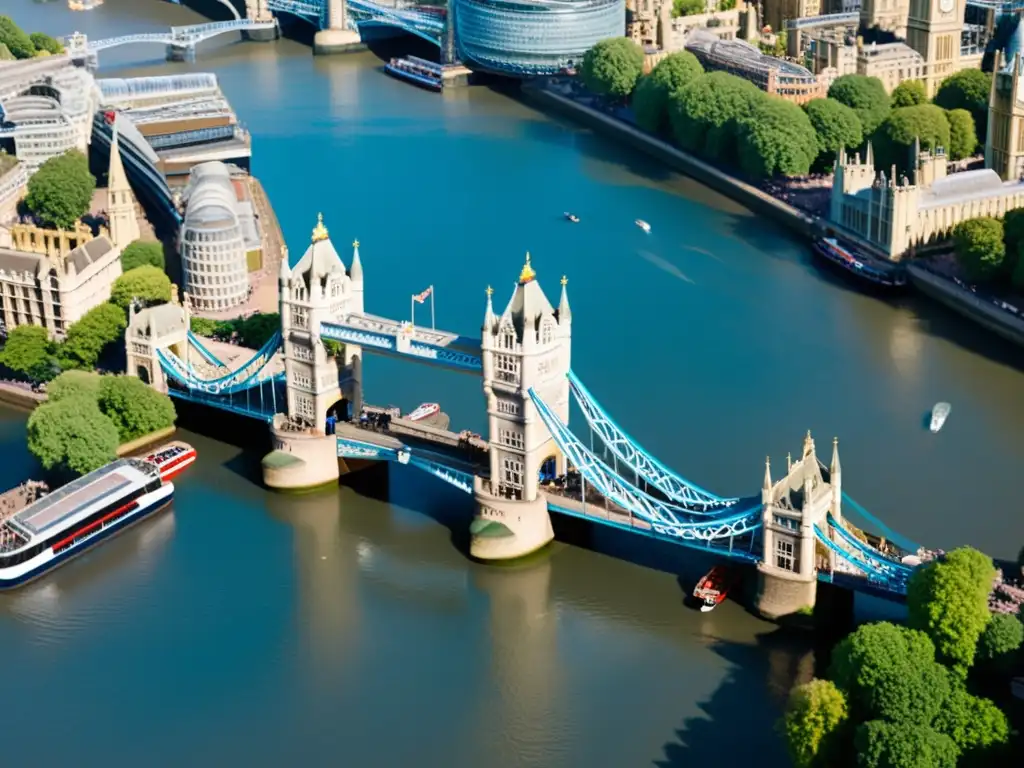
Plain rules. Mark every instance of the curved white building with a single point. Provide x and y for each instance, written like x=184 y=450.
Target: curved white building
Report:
x=215 y=240
x=40 y=128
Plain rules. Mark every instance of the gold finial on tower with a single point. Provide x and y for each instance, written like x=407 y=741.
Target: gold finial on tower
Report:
x=320 y=231
x=565 y=281
x=527 y=274
x=489 y=291
x=355 y=243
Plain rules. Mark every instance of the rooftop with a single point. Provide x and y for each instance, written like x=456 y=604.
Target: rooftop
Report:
x=39 y=264
x=966 y=186
x=740 y=54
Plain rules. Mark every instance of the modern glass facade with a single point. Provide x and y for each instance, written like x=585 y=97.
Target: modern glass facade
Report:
x=536 y=37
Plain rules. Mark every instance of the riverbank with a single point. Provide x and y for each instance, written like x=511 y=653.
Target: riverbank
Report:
x=20 y=395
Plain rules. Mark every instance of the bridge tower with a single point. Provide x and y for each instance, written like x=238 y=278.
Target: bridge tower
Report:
x=527 y=347
x=122 y=220
x=792 y=507
x=336 y=36
x=150 y=330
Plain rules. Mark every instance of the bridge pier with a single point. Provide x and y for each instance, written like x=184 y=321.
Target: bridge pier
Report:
x=181 y=53
x=337 y=37
x=303 y=459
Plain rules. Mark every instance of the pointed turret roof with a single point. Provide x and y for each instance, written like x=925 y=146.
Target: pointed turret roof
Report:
x=528 y=303
x=320 y=258
x=767 y=473
x=564 y=313
x=117 y=179
x=489 y=318
x=835 y=456
x=356 y=272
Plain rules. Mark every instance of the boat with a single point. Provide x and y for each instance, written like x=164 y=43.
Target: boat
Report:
x=713 y=588
x=417 y=71
x=425 y=411
x=84 y=5
x=573 y=218
x=643 y=225
x=939 y=415
x=69 y=521
x=172 y=459
x=870 y=270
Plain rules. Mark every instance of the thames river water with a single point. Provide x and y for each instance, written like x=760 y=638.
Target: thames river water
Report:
x=249 y=628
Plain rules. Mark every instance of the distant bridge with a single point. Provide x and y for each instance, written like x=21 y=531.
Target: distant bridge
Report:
x=187 y=37
x=363 y=14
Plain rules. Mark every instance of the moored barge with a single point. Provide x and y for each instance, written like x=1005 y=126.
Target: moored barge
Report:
x=67 y=522
x=869 y=270
x=416 y=70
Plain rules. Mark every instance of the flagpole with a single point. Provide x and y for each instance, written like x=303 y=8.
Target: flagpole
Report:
x=412 y=310
x=433 y=298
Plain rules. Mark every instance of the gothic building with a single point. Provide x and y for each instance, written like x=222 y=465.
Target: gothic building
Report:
x=1004 y=142
x=934 y=29
x=122 y=221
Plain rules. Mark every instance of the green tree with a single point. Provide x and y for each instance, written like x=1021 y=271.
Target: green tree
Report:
x=776 y=138
x=5 y=53
x=87 y=338
x=44 y=42
x=962 y=138
x=814 y=724
x=17 y=42
x=134 y=408
x=256 y=330
x=71 y=436
x=333 y=348
x=1013 y=231
x=202 y=326
x=968 y=89
x=948 y=598
x=909 y=93
x=895 y=138
x=899 y=745
x=650 y=100
x=864 y=95
x=979 y=248
x=1000 y=641
x=977 y=727
x=704 y=114
x=139 y=253
x=612 y=67
x=146 y=283
x=836 y=125
x=726 y=5
x=29 y=352
x=60 y=192
x=890 y=672
x=687 y=7
x=72 y=384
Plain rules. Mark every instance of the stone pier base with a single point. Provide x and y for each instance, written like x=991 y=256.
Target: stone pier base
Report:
x=180 y=53
x=506 y=530
x=300 y=461
x=328 y=41
x=261 y=35
x=780 y=593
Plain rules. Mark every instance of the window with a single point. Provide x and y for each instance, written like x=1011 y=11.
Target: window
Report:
x=305 y=406
x=303 y=353
x=508 y=339
x=508 y=407
x=546 y=333
x=513 y=438
x=506 y=368
x=784 y=554
x=786 y=522
x=512 y=471
x=301 y=380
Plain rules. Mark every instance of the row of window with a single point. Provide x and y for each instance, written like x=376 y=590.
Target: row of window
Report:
x=508 y=407
x=513 y=438
x=304 y=405
x=786 y=522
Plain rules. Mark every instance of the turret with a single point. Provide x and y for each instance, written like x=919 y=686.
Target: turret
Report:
x=356 y=272
x=489 y=317
x=835 y=480
x=564 y=313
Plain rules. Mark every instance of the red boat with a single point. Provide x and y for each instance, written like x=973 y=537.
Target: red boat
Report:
x=172 y=458
x=713 y=588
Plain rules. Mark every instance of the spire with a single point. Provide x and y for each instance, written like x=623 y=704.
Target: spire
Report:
x=808 y=444
x=122 y=223
x=527 y=274
x=789 y=463
x=871 y=155
x=117 y=180
x=285 y=272
x=767 y=473
x=834 y=469
x=489 y=318
x=564 y=313
x=356 y=271
x=320 y=231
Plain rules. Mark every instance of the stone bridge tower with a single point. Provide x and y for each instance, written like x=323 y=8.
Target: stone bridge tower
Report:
x=528 y=346
x=150 y=330
x=792 y=507
x=335 y=35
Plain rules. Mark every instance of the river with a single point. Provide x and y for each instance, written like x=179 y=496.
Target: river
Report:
x=257 y=629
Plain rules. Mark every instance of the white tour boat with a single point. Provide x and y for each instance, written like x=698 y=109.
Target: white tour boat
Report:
x=939 y=415
x=643 y=225
x=171 y=459
x=64 y=524
x=425 y=411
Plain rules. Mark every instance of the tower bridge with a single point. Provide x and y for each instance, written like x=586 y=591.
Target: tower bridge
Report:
x=529 y=464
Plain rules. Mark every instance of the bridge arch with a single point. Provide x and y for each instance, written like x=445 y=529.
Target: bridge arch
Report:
x=387 y=24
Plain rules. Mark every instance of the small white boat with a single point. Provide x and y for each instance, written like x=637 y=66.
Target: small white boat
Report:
x=643 y=225
x=939 y=415
x=425 y=411
x=572 y=217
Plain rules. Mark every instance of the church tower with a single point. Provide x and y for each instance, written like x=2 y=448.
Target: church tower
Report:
x=124 y=226
x=933 y=30
x=1004 y=142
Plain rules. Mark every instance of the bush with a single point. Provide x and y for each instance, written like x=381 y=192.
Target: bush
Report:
x=87 y=338
x=814 y=724
x=891 y=745
x=909 y=93
x=147 y=284
x=333 y=348
x=1000 y=641
x=650 y=101
x=29 y=352
x=43 y=42
x=896 y=136
x=612 y=67
x=71 y=436
x=968 y=89
x=979 y=248
x=16 y=41
x=140 y=253
x=864 y=95
x=704 y=114
x=134 y=408
x=74 y=384
x=256 y=330
x=776 y=138
x=835 y=125
x=688 y=7
x=977 y=727
x=60 y=192
x=962 y=138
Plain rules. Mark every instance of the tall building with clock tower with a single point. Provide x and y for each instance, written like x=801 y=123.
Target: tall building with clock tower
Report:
x=934 y=28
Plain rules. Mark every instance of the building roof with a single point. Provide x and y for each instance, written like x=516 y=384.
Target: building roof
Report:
x=39 y=264
x=528 y=303
x=738 y=53
x=968 y=185
x=212 y=202
x=20 y=261
x=90 y=252
x=119 y=90
x=320 y=258
x=161 y=320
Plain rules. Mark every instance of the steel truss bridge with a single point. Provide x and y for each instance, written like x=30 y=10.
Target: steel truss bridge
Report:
x=621 y=484
x=363 y=15
x=180 y=37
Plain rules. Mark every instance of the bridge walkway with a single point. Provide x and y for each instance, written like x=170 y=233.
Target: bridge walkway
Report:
x=428 y=442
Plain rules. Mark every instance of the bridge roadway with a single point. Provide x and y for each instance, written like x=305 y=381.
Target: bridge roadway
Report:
x=433 y=443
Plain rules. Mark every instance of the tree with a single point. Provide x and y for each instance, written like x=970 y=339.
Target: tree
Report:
x=1013 y=233
x=897 y=745
x=776 y=138
x=60 y=192
x=29 y=352
x=977 y=727
x=1000 y=641
x=5 y=53
x=87 y=338
x=612 y=67
x=889 y=672
x=813 y=724
x=962 y=138
x=44 y=42
x=139 y=253
x=909 y=93
x=74 y=384
x=864 y=95
x=703 y=114
x=71 y=436
x=650 y=100
x=333 y=348
x=256 y=330
x=146 y=283
x=979 y=248
x=202 y=326
x=688 y=7
x=835 y=125
x=17 y=42
x=896 y=136
x=967 y=89
x=948 y=599
x=134 y=408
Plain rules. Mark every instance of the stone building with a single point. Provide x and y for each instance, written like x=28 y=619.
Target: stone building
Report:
x=1004 y=142
x=164 y=326
x=886 y=15
x=892 y=63
x=122 y=216
x=777 y=12
x=934 y=29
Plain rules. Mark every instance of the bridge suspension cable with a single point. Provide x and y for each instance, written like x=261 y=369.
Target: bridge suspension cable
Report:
x=206 y=354
x=884 y=562
x=892 y=580
x=247 y=375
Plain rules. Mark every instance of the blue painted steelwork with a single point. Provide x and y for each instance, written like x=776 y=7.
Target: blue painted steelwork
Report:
x=261 y=401
x=175 y=369
x=889 y=533
x=307 y=11
x=387 y=343
x=676 y=488
x=234 y=381
x=183 y=37
x=206 y=354
x=890 y=579
x=358 y=449
x=884 y=563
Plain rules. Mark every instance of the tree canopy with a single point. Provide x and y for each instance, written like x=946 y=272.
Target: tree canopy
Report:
x=898 y=745
x=962 y=138
x=813 y=723
x=255 y=331
x=44 y=42
x=977 y=727
x=909 y=93
x=612 y=67
x=71 y=436
x=29 y=352
x=17 y=42
x=650 y=100
x=138 y=253
x=134 y=408
x=87 y=338
x=895 y=138
x=146 y=283
x=835 y=125
x=704 y=113
x=60 y=192
x=980 y=251
x=688 y=7
x=967 y=89
x=74 y=384
x=1001 y=640
x=866 y=96
x=776 y=138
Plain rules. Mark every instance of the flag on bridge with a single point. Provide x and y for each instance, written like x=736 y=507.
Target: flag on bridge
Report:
x=419 y=298
x=109 y=117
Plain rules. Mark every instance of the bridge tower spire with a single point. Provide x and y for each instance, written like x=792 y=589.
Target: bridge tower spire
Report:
x=527 y=347
x=123 y=224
